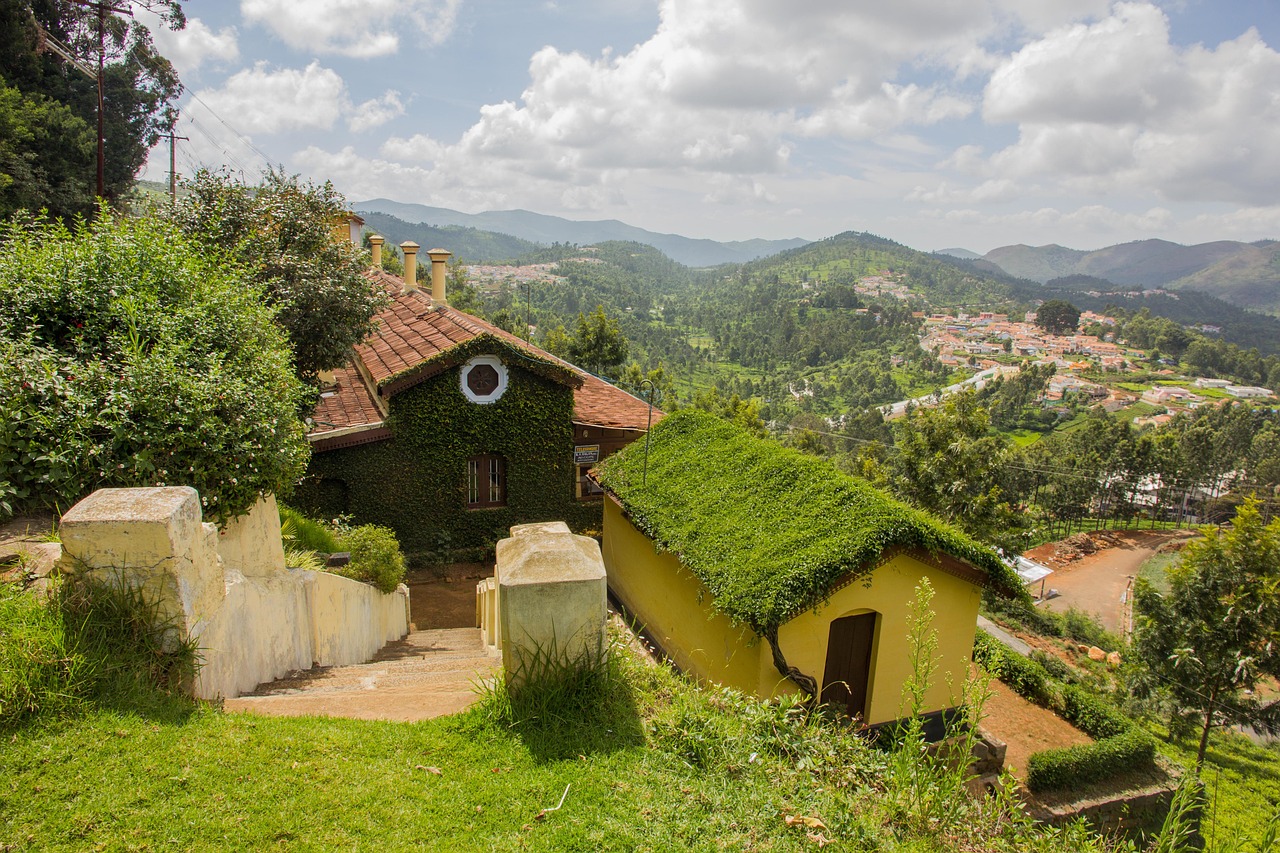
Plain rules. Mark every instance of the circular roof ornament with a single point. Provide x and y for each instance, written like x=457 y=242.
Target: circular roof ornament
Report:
x=484 y=379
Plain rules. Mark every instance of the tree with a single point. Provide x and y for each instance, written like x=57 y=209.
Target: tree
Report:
x=1204 y=644
x=134 y=359
x=46 y=155
x=1058 y=317
x=282 y=233
x=597 y=342
x=946 y=463
x=140 y=89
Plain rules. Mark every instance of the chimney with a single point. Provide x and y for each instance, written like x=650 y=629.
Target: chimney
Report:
x=375 y=246
x=410 y=250
x=439 y=258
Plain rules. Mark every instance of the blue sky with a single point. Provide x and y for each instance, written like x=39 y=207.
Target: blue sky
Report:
x=969 y=123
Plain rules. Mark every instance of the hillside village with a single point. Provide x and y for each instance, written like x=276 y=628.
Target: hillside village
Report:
x=312 y=537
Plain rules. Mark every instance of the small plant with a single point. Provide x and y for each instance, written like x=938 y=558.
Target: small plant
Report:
x=375 y=556
x=306 y=533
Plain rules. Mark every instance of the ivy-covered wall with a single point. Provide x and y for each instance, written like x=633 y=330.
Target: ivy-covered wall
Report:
x=414 y=482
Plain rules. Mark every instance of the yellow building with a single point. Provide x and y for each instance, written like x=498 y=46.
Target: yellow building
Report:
x=757 y=567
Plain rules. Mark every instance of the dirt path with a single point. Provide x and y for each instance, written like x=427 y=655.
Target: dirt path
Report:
x=448 y=601
x=1099 y=583
x=1025 y=728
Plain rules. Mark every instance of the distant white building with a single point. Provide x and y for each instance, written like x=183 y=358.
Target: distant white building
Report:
x=1212 y=383
x=1247 y=392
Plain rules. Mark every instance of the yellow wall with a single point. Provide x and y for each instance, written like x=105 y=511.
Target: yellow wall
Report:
x=891 y=593
x=676 y=610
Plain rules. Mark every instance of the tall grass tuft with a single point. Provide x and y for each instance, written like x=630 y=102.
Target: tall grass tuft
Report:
x=89 y=643
x=40 y=669
x=306 y=533
x=565 y=706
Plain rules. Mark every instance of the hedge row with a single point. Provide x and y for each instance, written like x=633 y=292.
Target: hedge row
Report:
x=1053 y=769
x=1028 y=678
x=1119 y=746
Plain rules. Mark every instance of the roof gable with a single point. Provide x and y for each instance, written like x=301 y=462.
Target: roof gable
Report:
x=416 y=339
x=769 y=531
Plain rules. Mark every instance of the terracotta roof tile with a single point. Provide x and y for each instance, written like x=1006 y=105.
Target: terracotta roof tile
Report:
x=412 y=329
x=350 y=406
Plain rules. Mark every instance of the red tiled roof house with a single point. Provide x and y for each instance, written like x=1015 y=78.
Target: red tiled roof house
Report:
x=449 y=429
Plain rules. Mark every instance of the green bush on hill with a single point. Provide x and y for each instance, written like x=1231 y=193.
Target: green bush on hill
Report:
x=133 y=358
x=1120 y=745
x=375 y=556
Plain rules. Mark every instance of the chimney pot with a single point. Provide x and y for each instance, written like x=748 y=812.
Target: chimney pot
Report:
x=410 y=250
x=439 y=260
x=375 y=246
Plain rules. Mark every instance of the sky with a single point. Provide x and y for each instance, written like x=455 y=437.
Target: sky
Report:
x=937 y=123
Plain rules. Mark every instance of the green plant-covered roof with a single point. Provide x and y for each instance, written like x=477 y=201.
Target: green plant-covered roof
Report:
x=767 y=529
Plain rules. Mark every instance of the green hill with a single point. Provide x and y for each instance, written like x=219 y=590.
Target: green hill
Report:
x=1244 y=274
x=470 y=244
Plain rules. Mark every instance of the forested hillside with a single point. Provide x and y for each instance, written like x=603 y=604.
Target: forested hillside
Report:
x=1244 y=274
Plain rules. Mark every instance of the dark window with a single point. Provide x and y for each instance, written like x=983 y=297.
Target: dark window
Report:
x=482 y=380
x=486 y=481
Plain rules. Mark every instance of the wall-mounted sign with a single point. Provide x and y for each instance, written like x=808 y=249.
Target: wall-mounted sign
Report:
x=584 y=454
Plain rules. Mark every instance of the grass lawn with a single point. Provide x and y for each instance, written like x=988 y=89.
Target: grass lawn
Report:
x=655 y=764
x=1024 y=437
x=1154 y=570
x=1242 y=782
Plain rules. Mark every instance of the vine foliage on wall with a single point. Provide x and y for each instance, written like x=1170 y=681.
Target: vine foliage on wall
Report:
x=414 y=482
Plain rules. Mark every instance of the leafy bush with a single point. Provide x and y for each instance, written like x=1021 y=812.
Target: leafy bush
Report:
x=1026 y=677
x=1120 y=745
x=1053 y=769
x=134 y=359
x=1091 y=715
x=281 y=233
x=375 y=556
x=1053 y=665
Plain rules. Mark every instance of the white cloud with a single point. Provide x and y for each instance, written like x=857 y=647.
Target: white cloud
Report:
x=376 y=112
x=1115 y=106
x=357 y=28
x=192 y=46
x=266 y=100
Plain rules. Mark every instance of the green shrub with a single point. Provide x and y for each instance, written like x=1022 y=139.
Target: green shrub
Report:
x=1027 y=678
x=132 y=358
x=375 y=556
x=1085 y=628
x=1054 y=769
x=1092 y=715
x=1052 y=665
x=307 y=533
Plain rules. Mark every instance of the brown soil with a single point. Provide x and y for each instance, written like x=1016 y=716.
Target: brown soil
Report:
x=1099 y=582
x=447 y=601
x=1026 y=728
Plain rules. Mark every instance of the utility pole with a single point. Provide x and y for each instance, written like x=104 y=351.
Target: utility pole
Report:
x=173 y=174
x=102 y=7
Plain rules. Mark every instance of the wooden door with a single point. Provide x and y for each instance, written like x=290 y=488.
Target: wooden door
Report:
x=847 y=675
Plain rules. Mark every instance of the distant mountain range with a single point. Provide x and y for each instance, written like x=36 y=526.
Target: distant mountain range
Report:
x=540 y=228
x=1244 y=274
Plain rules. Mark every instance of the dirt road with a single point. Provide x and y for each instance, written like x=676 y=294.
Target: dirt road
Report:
x=1099 y=583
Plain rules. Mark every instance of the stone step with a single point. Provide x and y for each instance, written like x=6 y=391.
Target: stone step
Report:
x=427 y=674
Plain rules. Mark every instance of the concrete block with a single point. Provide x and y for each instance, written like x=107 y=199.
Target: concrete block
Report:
x=152 y=538
x=251 y=544
x=551 y=599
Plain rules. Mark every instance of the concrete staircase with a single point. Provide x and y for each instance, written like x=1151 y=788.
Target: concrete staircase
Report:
x=427 y=674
